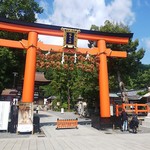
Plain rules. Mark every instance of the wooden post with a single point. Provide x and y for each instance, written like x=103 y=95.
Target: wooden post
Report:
x=29 y=75
x=123 y=106
x=117 y=110
x=147 y=108
x=136 y=108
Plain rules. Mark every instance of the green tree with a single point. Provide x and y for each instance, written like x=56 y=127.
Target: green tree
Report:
x=121 y=69
x=24 y=10
x=13 y=60
x=6 y=58
x=143 y=79
x=69 y=80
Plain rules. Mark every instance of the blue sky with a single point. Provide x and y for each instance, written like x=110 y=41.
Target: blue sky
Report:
x=83 y=13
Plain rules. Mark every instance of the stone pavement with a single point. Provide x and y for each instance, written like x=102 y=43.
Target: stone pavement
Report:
x=84 y=138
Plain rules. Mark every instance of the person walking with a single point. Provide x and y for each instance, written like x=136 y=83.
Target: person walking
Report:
x=37 y=109
x=124 y=119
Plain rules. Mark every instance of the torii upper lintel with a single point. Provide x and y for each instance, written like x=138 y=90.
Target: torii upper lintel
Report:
x=44 y=29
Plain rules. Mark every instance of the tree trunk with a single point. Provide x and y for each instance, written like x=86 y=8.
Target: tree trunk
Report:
x=68 y=100
x=122 y=89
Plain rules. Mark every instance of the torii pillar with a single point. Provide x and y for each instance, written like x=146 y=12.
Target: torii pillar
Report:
x=30 y=67
x=103 y=81
x=103 y=76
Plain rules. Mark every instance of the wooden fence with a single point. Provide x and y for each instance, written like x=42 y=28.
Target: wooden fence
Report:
x=132 y=108
x=67 y=123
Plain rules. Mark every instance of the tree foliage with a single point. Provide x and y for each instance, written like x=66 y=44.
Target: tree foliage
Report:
x=13 y=60
x=24 y=10
x=6 y=58
x=122 y=69
x=70 y=79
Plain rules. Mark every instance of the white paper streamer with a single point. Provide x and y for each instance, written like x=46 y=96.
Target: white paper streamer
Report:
x=87 y=56
x=62 y=60
x=75 y=58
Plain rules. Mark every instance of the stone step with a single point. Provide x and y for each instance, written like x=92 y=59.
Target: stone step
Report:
x=146 y=119
x=146 y=124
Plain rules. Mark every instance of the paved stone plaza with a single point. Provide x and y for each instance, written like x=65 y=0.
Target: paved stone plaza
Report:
x=83 y=138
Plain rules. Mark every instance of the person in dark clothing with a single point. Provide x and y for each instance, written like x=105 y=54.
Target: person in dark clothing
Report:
x=14 y=119
x=124 y=119
x=134 y=123
x=37 y=109
x=36 y=123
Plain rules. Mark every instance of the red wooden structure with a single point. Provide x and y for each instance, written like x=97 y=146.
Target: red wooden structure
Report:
x=67 y=123
x=32 y=45
x=136 y=108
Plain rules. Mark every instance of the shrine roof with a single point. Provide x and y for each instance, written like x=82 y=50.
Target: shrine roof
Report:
x=54 y=27
x=7 y=92
x=39 y=77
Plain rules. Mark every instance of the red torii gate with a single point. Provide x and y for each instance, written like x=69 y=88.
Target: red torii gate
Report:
x=32 y=44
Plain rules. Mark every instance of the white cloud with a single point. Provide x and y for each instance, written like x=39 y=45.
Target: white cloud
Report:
x=141 y=3
x=146 y=43
x=51 y=40
x=121 y=11
x=79 y=14
x=83 y=13
x=44 y=5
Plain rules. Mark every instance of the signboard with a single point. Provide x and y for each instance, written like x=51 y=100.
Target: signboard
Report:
x=25 y=117
x=111 y=110
x=70 y=38
x=4 y=114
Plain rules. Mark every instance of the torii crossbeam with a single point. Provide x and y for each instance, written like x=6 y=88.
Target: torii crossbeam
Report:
x=32 y=45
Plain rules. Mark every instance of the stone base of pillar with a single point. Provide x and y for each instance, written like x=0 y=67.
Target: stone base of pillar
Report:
x=99 y=123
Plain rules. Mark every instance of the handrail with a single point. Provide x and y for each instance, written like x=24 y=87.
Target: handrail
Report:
x=136 y=109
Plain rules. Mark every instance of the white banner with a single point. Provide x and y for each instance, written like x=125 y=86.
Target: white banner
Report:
x=4 y=114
